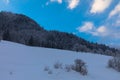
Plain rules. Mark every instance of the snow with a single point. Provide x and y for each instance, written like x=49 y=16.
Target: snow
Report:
x=20 y=62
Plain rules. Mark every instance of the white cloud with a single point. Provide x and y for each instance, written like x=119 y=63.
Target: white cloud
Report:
x=101 y=31
x=88 y=26
x=73 y=4
x=99 y=6
x=114 y=21
x=51 y=1
x=115 y=11
x=59 y=1
x=104 y=31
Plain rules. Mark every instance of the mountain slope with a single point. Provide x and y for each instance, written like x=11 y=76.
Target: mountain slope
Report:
x=20 y=62
x=22 y=29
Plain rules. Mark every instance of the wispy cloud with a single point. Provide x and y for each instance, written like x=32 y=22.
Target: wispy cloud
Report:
x=106 y=30
x=115 y=11
x=58 y=1
x=88 y=26
x=73 y=4
x=99 y=6
x=101 y=31
x=52 y=1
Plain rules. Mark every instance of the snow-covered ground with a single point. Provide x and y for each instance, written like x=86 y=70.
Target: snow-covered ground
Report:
x=20 y=62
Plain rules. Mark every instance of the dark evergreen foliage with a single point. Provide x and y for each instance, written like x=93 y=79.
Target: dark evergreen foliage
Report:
x=6 y=35
x=31 y=43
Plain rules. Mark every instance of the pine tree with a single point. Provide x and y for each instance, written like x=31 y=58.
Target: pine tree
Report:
x=31 y=42
x=6 y=35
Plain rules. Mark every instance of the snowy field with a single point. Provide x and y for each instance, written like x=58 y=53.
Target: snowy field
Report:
x=20 y=62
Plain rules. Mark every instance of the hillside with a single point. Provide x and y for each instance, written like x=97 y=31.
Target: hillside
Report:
x=22 y=29
x=20 y=62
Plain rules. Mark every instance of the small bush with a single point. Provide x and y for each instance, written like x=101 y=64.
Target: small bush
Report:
x=79 y=66
x=68 y=68
x=46 y=68
x=114 y=63
x=58 y=65
x=50 y=72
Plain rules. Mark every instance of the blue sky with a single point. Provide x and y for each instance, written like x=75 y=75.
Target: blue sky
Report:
x=93 y=20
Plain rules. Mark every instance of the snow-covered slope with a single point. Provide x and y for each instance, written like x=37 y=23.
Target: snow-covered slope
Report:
x=20 y=62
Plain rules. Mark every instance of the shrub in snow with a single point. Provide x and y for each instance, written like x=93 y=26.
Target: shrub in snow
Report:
x=79 y=66
x=114 y=63
x=68 y=68
x=58 y=65
x=46 y=68
x=50 y=72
